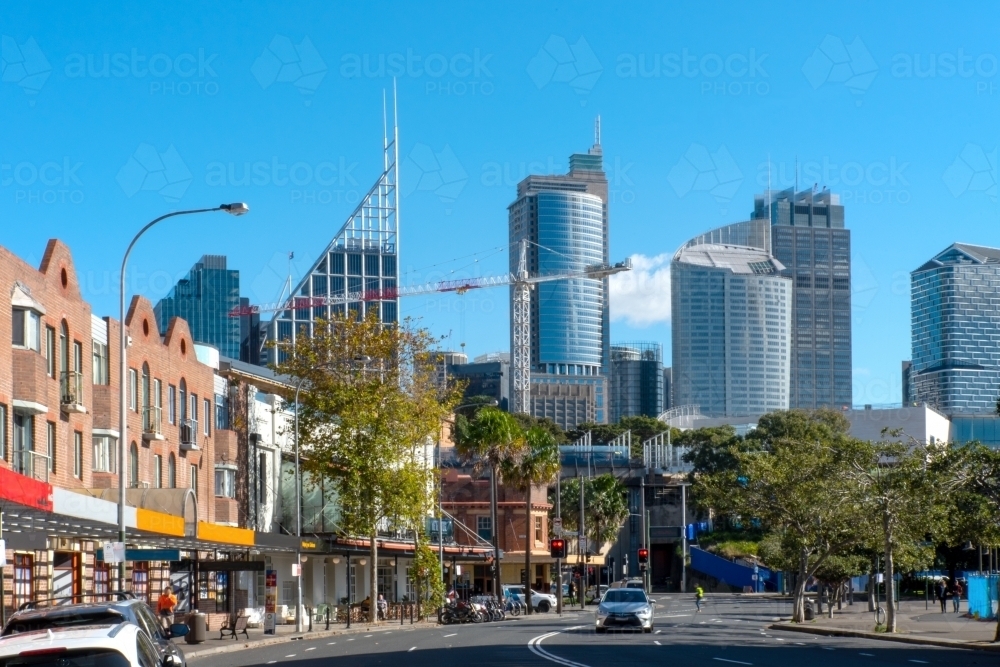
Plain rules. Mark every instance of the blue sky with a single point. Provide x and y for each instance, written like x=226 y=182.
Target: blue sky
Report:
x=891 y=105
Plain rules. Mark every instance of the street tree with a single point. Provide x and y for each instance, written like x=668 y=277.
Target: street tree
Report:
x=605 y=507
x=369 y=407
x=538 y=466
x=494 y=439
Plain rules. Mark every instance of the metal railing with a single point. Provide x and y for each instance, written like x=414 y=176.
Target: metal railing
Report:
x=31 y=464
x=71 y=388
x=189 y=434
x=152 y=420
x=659 y=453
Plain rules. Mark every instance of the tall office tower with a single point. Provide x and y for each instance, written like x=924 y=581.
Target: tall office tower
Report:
x=956 y=353
x=809 y=238
x=444 y=361
x=205 y=297
x=565 y=221
x=731 y=325
x=357 y=272
x=636 y=380
x=668 y=388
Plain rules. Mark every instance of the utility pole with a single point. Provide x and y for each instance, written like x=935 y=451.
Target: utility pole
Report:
x=559 y=589
x=580 y=548
x=642 y=518
x=684 y=542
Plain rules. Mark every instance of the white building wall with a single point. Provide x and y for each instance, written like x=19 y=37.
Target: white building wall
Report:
x=922 y=423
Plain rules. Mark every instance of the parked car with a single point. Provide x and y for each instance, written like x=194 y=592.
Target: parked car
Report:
x=542 y=602
x=625 y=608
x=634 y=582
x=597 y=592
x=36 y=616
x=119 y=644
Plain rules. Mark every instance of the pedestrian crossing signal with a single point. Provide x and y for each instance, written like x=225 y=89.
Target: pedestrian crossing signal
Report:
x=643 y=555
x=557 y=548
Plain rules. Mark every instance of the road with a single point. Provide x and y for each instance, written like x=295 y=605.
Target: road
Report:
x=730 y=631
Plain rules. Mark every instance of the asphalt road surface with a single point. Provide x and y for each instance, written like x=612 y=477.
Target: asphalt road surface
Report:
x=729 y=632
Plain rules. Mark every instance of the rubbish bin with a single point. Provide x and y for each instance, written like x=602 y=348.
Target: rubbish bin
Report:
x=198 y=623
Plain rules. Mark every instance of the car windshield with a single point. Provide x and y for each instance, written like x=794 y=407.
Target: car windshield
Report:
x=624 y=595
x=88 y=657
x=59 y=620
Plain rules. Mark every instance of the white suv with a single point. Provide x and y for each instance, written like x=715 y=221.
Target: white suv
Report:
x=542 y=602
x=121 y=645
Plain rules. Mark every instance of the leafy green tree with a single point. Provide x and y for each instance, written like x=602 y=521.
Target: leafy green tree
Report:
x=539 y=465
x=528 y=422
x=426 y=572
x=369 y=406
x=605 y=507
x=599 y=433
x=494 y=439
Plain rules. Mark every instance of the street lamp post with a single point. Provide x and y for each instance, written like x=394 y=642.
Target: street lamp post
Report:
x=298 y=517
x=233 y=209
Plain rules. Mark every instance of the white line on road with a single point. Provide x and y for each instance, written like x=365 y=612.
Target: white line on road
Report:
x=673 y=616
x=311 y=649
x=657 y=643
x=452 y=634
x=737 y=662
x=827 y=648
x=870 y=655
x=271 y=662
x=659 y=631
x=412 y=649
x=922 y=662
x=331 y=643
x=290 y=656
x=534 y=645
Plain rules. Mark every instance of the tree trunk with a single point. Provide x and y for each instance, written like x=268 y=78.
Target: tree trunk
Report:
x=799 y=606
x=529 y=539
x=890 y=583
x=373 y=579
x=872 y=587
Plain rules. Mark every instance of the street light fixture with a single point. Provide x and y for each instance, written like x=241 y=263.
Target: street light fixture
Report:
x=238 y=208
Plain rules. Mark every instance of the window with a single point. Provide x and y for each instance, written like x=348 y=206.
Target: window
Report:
x=194 y=407
x=158 y=400
x=484 y=527
x=157 y=471
x=50 y=445
x=77 y=357
x=207 y=411
x=64 y=347
x=171 y=472
x=225 y=481
x=3 y=432
x=262 y=479
x=26 y=328
x=538 y=529
x=78 y=454
x=133 y=465
x=221 y=411
x=100 y=370
x=194 y=479
x=182 y=415
x=50 y=351
x=104 y=453
x=24 y=584
x=172 y=404
x=140 y=580
x=133 y=389
x=102 y=580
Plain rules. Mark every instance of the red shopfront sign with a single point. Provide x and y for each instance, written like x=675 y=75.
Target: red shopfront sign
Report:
x=26 y=491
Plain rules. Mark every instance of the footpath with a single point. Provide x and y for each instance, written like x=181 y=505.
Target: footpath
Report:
x=916 y=623
x=286 y=633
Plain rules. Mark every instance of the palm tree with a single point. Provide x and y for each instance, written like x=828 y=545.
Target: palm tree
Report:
x=494 y=439
x=539 y=465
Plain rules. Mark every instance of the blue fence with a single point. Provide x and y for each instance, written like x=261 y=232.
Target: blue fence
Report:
x=728 y=572
x=983 y=594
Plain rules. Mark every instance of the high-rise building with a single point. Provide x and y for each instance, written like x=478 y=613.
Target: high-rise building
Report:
x=444 y=362
x=956 y=350
x=205 y=297
x=565 y=221
x=668 y=388
x=636 y=380
x=808 y=237
x=731 y=325
x=487 y=375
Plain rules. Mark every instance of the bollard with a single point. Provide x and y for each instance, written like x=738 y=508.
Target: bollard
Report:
x=413 y=609
x=311 y=619
x=402 y=612
x=328 y=617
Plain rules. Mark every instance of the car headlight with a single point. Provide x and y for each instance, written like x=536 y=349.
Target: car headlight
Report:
x=602 y=611
x=644 y=613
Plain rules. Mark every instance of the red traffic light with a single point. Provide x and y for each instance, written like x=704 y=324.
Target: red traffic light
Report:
x=557 y=548
x=643 y=555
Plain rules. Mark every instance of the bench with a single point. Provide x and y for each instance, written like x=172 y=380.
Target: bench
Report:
x=235 y=628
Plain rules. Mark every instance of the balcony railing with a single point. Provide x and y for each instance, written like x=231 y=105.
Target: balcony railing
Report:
x=189 y=434
x=31 y=464
x=152 y=420
x=71 y=391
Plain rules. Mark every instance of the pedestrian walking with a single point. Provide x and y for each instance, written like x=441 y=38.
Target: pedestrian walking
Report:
x=165 y=607
x=941 y=591
x=956 y=596
x=699 y=593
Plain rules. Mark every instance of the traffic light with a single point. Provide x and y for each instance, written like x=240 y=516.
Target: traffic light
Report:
x=643 y=556
x=557 y=548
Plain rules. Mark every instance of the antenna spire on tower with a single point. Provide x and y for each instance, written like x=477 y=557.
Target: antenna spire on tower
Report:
x=597 y=131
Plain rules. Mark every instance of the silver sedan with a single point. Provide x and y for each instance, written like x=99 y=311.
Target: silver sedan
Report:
x=625 y=608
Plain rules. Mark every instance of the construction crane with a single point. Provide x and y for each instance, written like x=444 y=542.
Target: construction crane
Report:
x=520 y=280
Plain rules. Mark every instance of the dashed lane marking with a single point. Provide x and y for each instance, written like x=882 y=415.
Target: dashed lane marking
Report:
x=868 y=655
x=657 y=643
x=412 y=648
x=311 y=649
x=452 y=634
x=736 y=662
x=921 y=662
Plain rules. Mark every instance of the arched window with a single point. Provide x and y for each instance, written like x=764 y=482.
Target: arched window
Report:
x=146 y=421
x=171 y=472
x=133 y=465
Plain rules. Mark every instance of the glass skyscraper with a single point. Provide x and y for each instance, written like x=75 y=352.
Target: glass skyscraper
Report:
x=808 y=237
x=731 y=322
x=565 y=220
x=955 y=320
x=637 y=380
x=205 y=298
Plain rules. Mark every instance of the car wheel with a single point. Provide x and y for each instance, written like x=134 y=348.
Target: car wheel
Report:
x=601 y=631
x=648 y=630
x=543 y=606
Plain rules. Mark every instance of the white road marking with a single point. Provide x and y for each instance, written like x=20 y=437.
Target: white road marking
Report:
x=412 y=649
x=271 y=662
x=331 y=643
x=659 y=631
x=737 y=662
x=673 y=616
x=657 y=643
x=870 y=655
x=452 y=634
x=827 y=648
x=290 y=656
x=534 y=645
x=352 y=639
x=366 y=636
x=311 y=649
x=922 y=662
